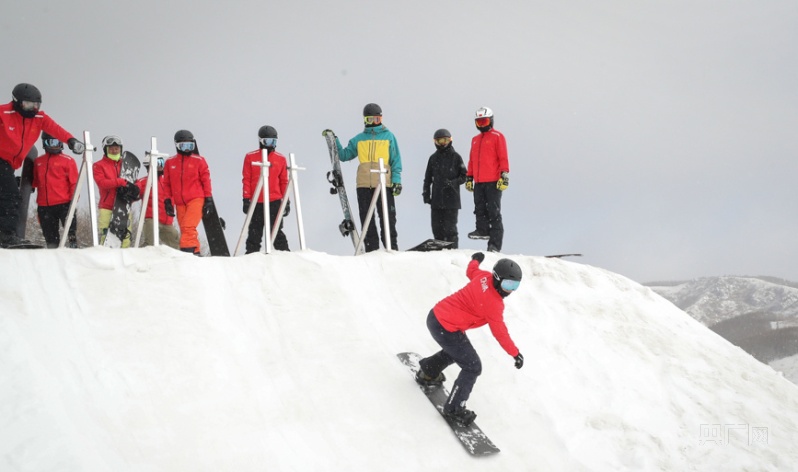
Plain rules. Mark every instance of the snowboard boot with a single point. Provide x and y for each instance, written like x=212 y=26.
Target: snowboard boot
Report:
x=427 y=381
x=11 y=240
x=492 y=248
x=463 y=416
x=477 y=235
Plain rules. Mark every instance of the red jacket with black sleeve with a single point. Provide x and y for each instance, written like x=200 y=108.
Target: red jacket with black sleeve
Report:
x=55 y=177
x=488 y=157
x=477 y=304
x=18 y=134
x=278 y=175
x=106 y=176
x=186 y=178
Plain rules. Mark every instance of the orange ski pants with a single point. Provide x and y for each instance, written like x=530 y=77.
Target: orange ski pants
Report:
x=188 y=218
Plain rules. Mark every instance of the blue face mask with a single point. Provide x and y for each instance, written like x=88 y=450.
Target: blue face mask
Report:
x=510 y=285
x=185 y=146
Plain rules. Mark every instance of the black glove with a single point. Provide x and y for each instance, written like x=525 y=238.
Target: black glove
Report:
x=76 y=146
x=121 y=193
x=247 y=202
x=478 y=256
x=519 y=361
x=287 y=208
x=397 y=189
x=206 y=207
x=170 y=209
x=427 y=198
x=132 y=192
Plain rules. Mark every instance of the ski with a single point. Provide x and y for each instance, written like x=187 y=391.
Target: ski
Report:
x=25 y=190
x=558 y=256
x=336 y=180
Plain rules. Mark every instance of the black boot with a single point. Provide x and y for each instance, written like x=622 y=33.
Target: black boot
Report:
x=463 y=416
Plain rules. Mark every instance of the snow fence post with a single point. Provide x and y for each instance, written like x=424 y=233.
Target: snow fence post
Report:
x=87 y=176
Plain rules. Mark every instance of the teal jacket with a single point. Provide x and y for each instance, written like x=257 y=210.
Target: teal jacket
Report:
x=369 y=146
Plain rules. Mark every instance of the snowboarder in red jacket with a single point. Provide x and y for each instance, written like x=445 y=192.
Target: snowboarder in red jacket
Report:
x=55 y=176
x=21 y=124
x=479 y=303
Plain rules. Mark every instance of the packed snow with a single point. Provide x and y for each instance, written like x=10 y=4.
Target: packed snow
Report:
x=155 y=360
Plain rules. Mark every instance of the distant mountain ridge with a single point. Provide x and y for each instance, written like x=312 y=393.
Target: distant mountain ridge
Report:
x=712 y=300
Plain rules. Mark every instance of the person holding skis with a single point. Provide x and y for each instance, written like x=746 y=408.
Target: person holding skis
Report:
x=479 y=303
x=374 y=143
x=55 y=176
x=106 y=174
x=445 y=173
x=278 y=183
x=187 y=189
x=488 y=176
x=21 y=123
x=167 y=233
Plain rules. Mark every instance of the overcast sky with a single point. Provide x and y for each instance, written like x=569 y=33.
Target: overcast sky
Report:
x=656 y=138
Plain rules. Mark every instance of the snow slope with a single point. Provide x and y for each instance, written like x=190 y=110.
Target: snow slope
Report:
x=154 y=360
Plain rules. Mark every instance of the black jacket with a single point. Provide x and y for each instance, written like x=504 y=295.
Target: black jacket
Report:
x=445 y=174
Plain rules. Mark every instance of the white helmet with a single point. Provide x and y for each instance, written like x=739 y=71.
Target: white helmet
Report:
x=484 y=112
x=112 y=140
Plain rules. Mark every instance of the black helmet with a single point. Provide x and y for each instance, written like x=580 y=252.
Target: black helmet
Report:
x=184 y=135
x=506 y=269
x=26 y=92
x=267 y=132
x=442 y=133
x=51 y=144
x=372 y=109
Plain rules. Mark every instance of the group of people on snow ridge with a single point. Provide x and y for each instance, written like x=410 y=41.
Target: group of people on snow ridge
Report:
x=185 y=185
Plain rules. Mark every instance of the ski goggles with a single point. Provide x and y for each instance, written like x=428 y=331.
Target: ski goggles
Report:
x=372 y=120
x=509 y=285
x=443 y=141
x=159 y=162
x=269 y=142
x=112 y=141
x=51 y=142
x=30 y=106
x=185 y=146
x=483 y=122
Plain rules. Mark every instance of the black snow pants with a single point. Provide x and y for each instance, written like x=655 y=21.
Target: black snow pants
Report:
x=372 y=240
x=456 y=348
x=444 y=224
x=488 y=210
x=51 y=218
x=9 y=199
x=255 y=232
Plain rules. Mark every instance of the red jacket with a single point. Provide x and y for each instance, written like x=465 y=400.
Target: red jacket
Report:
x=278 y=175
x=488 y=157
x=477 y=304
x=106 y=176
x=163 y=218
x=186 y=178
x=55 y=176
x=19 y=134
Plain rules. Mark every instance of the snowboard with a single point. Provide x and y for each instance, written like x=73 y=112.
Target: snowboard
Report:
x=214 y=231
x=25 y=189
x=432 y=245
x=336 y=179
x=120 y=215
x=472 y=438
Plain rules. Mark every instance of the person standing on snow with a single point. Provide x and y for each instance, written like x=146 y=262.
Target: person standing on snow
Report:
x=21 y=122
x=488 y=176
x=106 y=176
x=55 y=177
x=278 y=184
x=445 y=173
x=479 y=303
x=167 y=233
x=187 y=189
x=374 y=143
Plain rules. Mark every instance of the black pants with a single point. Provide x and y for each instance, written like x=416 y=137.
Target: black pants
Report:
x=444 y=224
x=456 y=348
x=52 y=218
x=255 y=234
x=488 y=209
x=9 y=199
x=372 y=240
